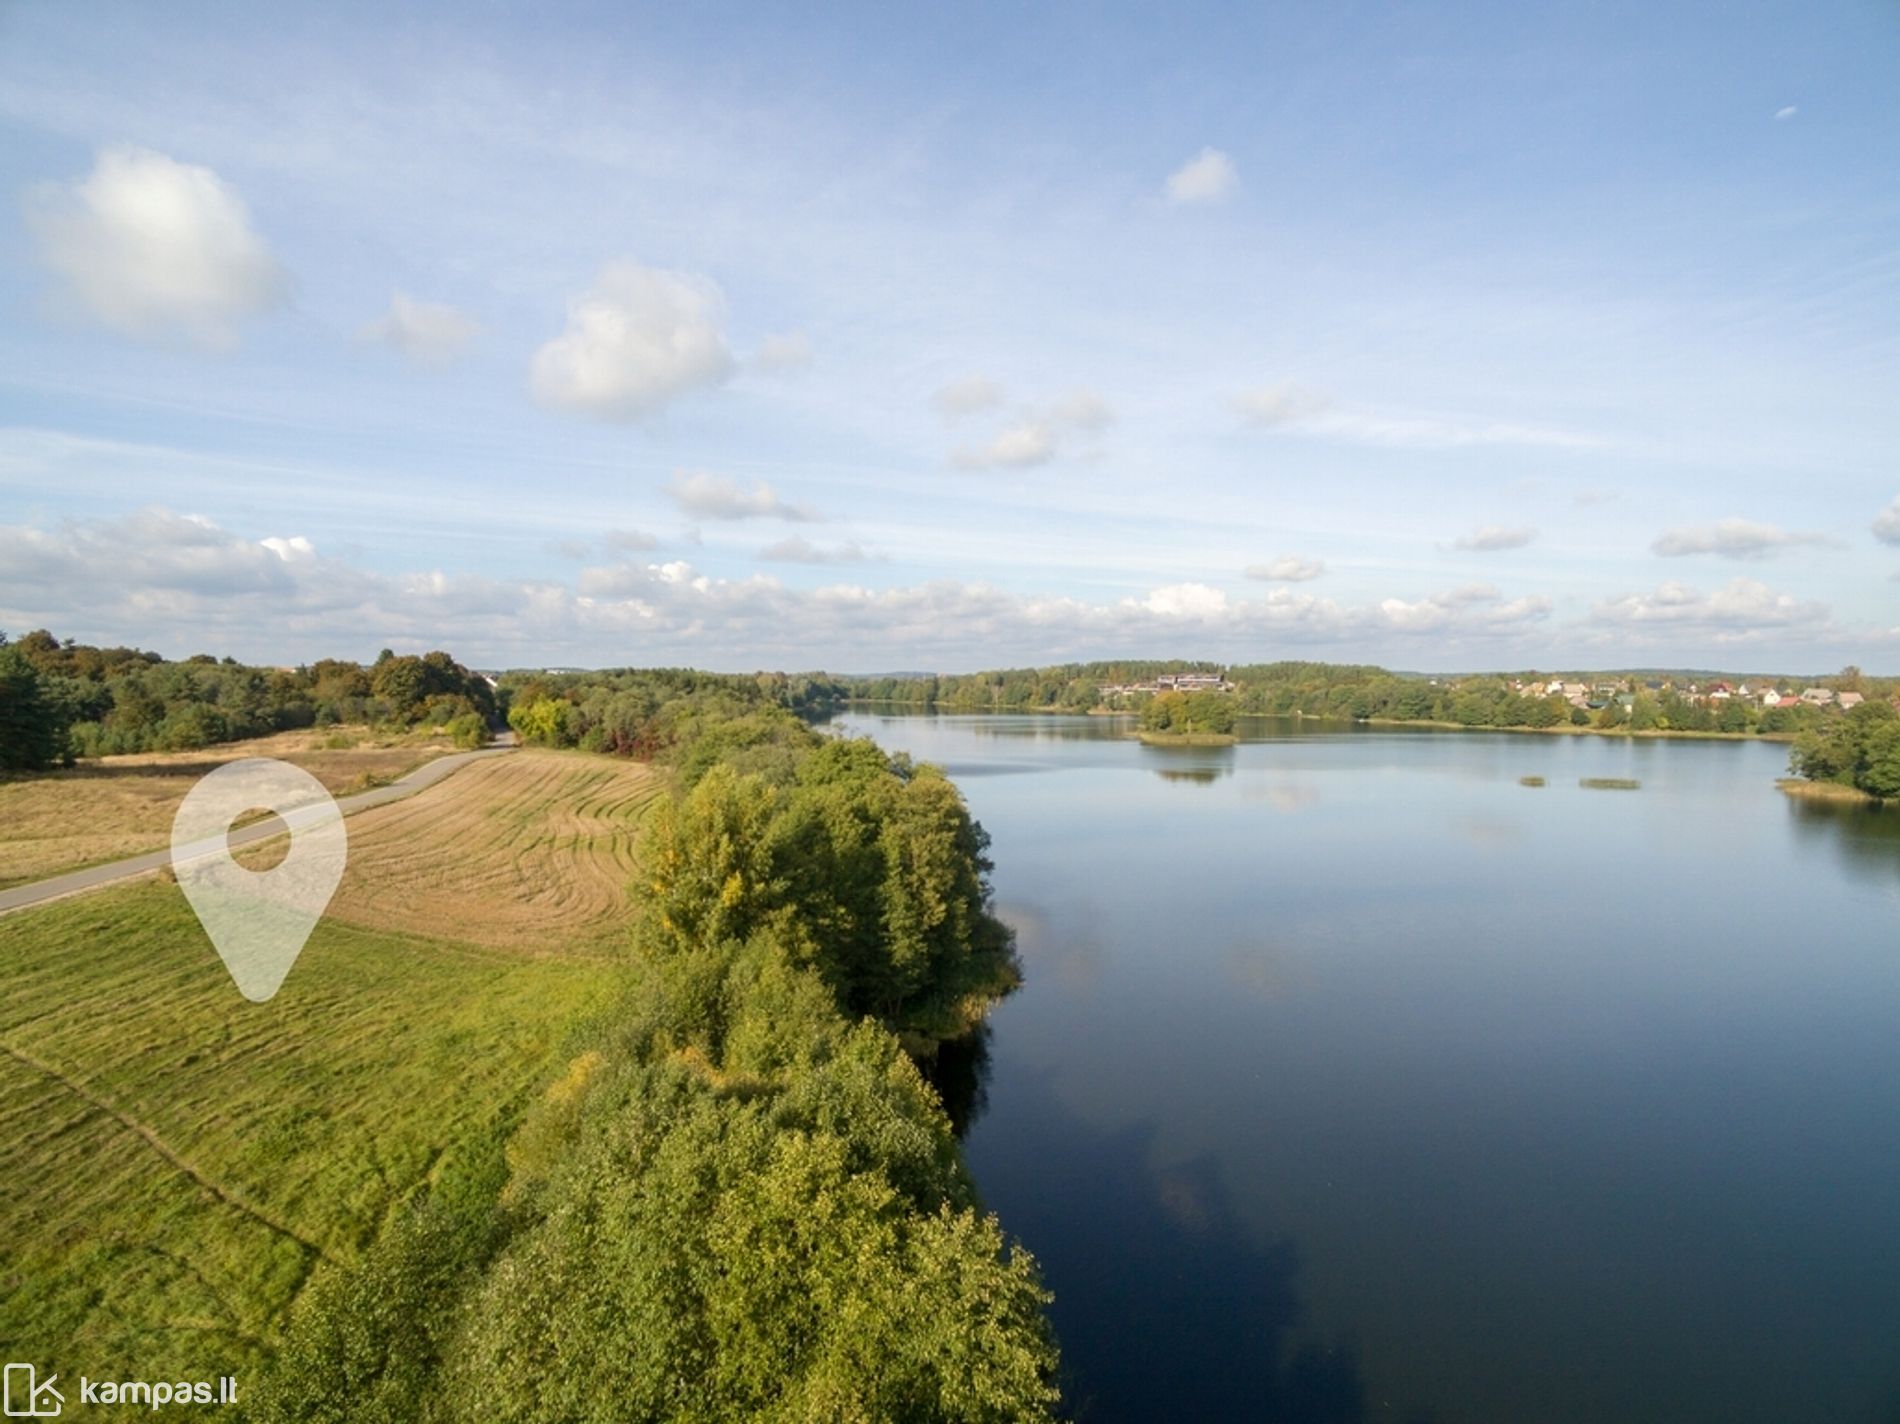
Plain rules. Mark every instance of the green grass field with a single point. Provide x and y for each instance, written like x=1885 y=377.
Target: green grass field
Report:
x=176 y=1162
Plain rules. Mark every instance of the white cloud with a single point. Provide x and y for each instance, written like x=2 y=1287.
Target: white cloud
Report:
x=1887 y=523
x=1288 y=568
x=640 y=337
x=1597 y=495
x=1734 y=539
x=705 y=495
x=1280 y=404
x=967 y=396
x=177 y=582
x=1033 y=443
x=1741 y=610
x=430 y=332
x=628 y=541
x=1184 y=600
x=785 y=354
x=1082 y=410
x=1205 y=178
x=1304 y=411
x=1039 y=435
x=1492 y=538
x=1786 y=112
x=156 y=248
x=1469 y=609
x=796 y=550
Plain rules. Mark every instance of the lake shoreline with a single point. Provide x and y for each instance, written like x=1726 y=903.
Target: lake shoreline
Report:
x=1831 y=791
x=1653 y=733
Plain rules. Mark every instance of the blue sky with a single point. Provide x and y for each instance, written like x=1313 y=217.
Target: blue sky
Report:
x=1445 y=336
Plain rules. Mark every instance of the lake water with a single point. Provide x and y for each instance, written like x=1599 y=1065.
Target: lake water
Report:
x=1354 y=1080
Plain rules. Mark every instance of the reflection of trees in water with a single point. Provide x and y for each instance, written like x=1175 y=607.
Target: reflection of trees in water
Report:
x=1196 y=775
x=1865 y=836
x=961 y=1075
x=1165 y=1307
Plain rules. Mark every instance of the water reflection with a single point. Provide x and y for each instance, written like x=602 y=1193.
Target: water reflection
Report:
x=1120 y=1241
x=1194 y=775
x=960 y=1073
x=1864 y=837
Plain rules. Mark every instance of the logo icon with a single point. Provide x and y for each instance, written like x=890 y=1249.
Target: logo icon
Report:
x=29 y=1397
x=258 y=920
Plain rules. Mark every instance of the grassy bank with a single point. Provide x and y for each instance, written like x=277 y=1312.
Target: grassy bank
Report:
x=1831 y=791
x=1186 y=739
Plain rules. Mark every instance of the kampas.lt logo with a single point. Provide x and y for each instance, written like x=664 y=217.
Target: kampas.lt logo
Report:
x=30 y=1397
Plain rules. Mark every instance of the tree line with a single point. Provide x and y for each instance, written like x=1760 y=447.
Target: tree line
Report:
x=1355 y=691
x=1860 y=749
x=61 y=700
x=741 y=1201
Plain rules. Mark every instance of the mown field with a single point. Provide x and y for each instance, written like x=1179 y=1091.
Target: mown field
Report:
x=178 y=1163
x=530 y=851
x=119 y=806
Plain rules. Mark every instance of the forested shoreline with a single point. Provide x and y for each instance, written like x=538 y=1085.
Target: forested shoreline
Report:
x=1613 y=702
x=741 y=1201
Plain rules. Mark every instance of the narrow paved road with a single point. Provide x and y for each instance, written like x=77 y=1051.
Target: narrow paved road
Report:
x=77 y=881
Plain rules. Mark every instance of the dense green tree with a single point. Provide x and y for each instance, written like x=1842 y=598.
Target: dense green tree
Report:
x=32 y=724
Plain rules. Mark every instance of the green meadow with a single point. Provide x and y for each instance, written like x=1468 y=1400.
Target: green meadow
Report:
x=177 y=1163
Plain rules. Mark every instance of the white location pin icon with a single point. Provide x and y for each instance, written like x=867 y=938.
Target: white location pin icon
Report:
x=258 y=920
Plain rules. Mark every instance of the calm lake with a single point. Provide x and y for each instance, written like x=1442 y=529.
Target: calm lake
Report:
x=1354 y=1079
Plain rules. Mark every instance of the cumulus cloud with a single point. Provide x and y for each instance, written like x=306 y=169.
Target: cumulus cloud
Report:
x=1279 y=404
x=796 y=550
x=1038 y=435
x=1032 y=443
x=1470 y=608
x=431 y=332
x=1887 y=523
x=156 y=248
x=705 y=495
x=170 y=580
x=628 y=541
x=783 y=355
x=968 y=395
x=1734 y=539
x=1493 y=538
x=1288 y=568
x=1207 y=177
x=1183 y=600
x=1082 y=410
x=1741 y=610
x=637 y=339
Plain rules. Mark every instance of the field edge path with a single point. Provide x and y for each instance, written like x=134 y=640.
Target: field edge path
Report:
x=77 y=882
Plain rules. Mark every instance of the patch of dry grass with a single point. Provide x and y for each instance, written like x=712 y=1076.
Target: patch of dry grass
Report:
x=123 y=805
x=531 y=851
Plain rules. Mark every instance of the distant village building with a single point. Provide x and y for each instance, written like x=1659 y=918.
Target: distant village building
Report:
x=1170 y=682
x=1850 y=699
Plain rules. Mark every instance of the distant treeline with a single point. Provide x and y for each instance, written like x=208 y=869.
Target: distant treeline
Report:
x=1065 y=687
x=741 y=1201
x=1366 y=693
x=648 y=712
x=60 y=700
